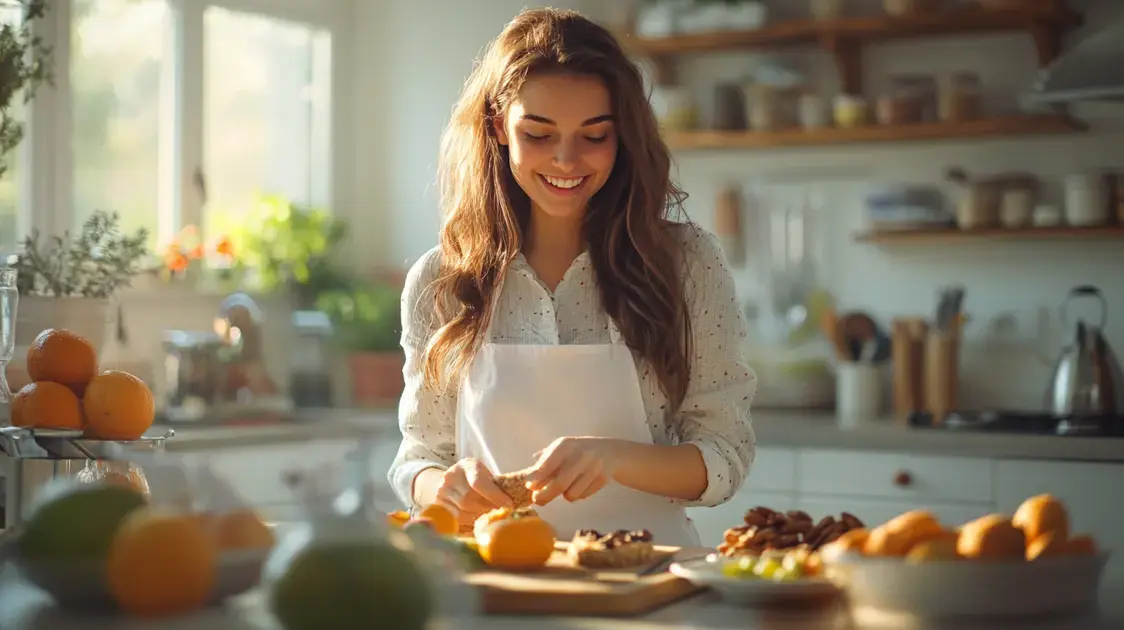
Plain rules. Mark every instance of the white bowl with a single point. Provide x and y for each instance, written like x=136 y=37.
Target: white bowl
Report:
x=959 y=588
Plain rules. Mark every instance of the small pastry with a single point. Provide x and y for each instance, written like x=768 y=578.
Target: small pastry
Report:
x=592 y=549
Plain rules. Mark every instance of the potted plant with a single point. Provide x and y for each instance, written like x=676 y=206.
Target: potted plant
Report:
x=69 y=281
x=282 y=245
x=366 y=324
x=24 y=65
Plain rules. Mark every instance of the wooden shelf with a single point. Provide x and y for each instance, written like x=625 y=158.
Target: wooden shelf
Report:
x=845 y=37
x=1015 y=125
x=951 y=235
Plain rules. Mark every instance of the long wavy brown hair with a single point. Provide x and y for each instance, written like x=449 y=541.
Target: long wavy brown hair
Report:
x=627 y=227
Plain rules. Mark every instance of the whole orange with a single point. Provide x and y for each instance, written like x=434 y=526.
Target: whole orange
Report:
x=62 y=356
x=46 y=405
x=242 y=530
x=443 y=519
x=520 y=543
x=161 y=564
x=118 y=406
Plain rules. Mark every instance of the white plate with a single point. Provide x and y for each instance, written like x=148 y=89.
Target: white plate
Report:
x=751 y=591
x=966 y=588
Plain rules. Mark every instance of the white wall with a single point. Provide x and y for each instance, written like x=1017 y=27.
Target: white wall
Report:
x=403 y=110
x=413 y=58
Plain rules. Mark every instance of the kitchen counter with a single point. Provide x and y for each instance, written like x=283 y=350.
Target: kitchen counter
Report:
x=24 y=608
x=795 y=429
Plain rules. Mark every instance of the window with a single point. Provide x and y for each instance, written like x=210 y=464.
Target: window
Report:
x=10 y=180
x=118 y=62
x=177 y=110
x=265 y=125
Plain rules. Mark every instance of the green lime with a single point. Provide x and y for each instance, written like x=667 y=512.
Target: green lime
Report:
x=352 y=585
x=71 y=520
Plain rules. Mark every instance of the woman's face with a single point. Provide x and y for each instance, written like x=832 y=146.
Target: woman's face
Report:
x=561 y=139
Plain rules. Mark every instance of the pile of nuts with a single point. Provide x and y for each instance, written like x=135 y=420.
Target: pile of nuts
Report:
x=767 y=529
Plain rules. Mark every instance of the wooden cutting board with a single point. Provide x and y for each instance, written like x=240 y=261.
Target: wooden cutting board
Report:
x=561 y=588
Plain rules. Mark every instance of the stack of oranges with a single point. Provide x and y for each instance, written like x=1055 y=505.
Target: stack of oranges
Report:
x=68 y=392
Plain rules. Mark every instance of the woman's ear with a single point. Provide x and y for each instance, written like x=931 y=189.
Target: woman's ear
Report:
x=501 y=132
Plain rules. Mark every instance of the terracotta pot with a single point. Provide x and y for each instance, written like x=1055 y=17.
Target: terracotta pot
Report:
x=376 y=378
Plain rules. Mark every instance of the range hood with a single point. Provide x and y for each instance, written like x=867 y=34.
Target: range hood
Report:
x=1093 y=70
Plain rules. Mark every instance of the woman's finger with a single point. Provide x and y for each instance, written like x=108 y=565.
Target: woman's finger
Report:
x=565 y=476
x=581 y=486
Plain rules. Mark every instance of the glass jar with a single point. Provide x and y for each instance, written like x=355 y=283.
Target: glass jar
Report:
x=960 y=97
x=116 y=472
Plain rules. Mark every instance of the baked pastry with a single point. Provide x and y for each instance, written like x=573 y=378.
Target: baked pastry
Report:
x=514 y=485
x=592 y=549
x=484 y=520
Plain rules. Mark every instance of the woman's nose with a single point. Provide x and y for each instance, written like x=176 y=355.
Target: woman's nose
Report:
x=565 y=155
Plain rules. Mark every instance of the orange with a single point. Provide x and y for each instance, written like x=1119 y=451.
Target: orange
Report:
x=242 y=530
x=161 y=564
x=991 y=537
x=397 y=519
x=47 y=405
x=850 y=542
x=443 y=519
x=1045 y=546
x=517 y=543
x=934 y=549
x=1082 y=545
x=63 y=357
x=118 y=406
x=1042 y=515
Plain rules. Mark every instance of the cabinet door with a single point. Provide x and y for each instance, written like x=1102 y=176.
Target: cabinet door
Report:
x=712 y=522
x=874 y=512
x=1092 y=492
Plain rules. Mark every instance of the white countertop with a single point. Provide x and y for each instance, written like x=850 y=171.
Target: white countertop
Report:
x=24 y=608
x=795 y=429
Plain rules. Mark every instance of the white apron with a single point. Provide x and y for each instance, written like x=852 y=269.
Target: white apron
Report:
x=517 y=399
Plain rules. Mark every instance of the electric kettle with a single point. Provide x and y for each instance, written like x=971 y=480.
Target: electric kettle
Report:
x=1086 y=373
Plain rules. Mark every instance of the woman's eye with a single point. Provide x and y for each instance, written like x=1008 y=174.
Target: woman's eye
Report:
x=598 y=139
x=533 y=138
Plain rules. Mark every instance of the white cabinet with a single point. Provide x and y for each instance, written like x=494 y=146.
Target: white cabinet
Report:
x=771 y=483
x=896 y=476
x=1094 y=493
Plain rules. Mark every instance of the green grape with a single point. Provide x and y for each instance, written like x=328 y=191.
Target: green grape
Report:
x=767 y=568
x=742 y=568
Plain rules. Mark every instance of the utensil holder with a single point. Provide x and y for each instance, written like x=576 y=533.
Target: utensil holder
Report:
x=942 y=373
x=858 y=393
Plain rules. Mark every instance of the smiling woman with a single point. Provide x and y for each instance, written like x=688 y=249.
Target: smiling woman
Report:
x=567 y=326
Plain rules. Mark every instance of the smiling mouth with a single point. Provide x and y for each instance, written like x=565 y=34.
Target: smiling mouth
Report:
x=564 y=184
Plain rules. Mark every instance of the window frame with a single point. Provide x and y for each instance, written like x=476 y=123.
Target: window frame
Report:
x=46 y=176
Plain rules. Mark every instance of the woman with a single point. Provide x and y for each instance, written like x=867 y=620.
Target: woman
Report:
x=564 y=324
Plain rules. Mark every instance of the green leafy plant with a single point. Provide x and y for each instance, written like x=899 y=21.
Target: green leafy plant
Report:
x=24 y=65
x=97 y=262
x=285 y=245
x=365 y=318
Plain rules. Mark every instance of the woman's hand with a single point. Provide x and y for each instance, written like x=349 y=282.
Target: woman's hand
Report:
x=572 y=467
x=467 y=487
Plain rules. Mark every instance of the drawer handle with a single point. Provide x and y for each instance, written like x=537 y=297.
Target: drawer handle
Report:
x=903 y=479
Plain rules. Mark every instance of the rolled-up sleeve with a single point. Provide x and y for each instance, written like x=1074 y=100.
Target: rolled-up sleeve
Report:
x=715 y=415
x=426 y=415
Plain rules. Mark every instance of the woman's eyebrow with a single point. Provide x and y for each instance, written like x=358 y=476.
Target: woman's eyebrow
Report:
x=546 y=121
